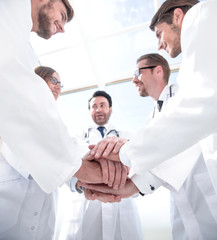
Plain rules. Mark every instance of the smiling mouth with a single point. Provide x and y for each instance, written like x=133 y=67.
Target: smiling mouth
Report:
x=165 y=47
x=138 y=85
x=100 y=115
x=55 y=29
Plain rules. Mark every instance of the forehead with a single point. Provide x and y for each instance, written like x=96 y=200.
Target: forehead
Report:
x=142 y=63
x=56 y=75
x=59 y=5
x=98 y=100
x=161 y=27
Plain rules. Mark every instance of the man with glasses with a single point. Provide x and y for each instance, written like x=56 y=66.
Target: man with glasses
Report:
x=180 y=26
x=193 y=196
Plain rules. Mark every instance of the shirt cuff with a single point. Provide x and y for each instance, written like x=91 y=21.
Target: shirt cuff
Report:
x=73 y=187
x=146 y=183
x=72 y=184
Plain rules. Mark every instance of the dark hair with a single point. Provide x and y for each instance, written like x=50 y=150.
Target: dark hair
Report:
x=101 y=94
x=69 y=9
x=156 y=59
x=44 y=72
x=165 y=12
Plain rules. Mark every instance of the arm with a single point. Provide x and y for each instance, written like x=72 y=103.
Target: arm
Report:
x=180 y=125
x=193 y=115
x=42 y=143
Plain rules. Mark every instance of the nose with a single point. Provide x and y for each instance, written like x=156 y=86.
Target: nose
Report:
x=134 y=79
x=57 y=87
x=99 y=109
x=160 y=45
x=62 y=29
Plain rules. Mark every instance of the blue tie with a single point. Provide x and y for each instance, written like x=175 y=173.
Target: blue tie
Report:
x=101 y=129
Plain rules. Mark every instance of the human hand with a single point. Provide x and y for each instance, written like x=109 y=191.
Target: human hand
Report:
x=89 y=172
x=101 y=190
x=114 y=173
x=107 y=148
x=103 y=197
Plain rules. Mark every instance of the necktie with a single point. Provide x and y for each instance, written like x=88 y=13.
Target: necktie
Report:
x=159 y=105
x=101 y=129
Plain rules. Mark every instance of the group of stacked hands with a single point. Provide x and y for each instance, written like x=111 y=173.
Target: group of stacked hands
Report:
x=108 y=183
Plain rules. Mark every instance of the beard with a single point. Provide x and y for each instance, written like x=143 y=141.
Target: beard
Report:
x=176 y=50
x=143 y=92
x=44 y=22
x=102 y=120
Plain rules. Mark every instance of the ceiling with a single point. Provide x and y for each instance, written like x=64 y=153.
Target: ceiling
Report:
x=101 y=44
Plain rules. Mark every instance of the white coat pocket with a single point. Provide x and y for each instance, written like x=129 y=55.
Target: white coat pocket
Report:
x=12 y=192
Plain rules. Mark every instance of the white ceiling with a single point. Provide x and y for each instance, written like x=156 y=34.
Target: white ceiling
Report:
x=101 y=43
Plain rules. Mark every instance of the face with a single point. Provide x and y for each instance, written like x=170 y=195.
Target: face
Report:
x=51 y=19
x=169 y=38
x=144 y=82
x=55 y=88
x=100 y=110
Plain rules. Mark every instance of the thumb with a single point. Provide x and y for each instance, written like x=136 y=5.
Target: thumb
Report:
x=91 y=146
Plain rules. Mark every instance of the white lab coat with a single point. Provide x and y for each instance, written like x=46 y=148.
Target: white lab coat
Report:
x=30 y=122
x=105 y=221
x=191 y=115
x=166 y=172
x=194 y=206
x=26 y=212
x=193 y=200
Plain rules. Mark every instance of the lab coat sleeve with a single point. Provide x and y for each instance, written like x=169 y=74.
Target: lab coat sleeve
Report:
x=30 y=123
x=171 y=174
x=146 y=183
x=192 y=114
x=175 y=171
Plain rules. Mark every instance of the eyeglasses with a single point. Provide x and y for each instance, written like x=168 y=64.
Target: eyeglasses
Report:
x=54 y=81
x=137 y=72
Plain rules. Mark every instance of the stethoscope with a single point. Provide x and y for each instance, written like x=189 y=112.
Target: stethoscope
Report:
x=111 y=132
x=114 y=131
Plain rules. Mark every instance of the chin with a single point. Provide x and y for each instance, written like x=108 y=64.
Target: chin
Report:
x=174 y=53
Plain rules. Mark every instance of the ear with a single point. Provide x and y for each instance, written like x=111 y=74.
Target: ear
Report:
x=159 y=69
x=178 y=16
x=110 y=110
